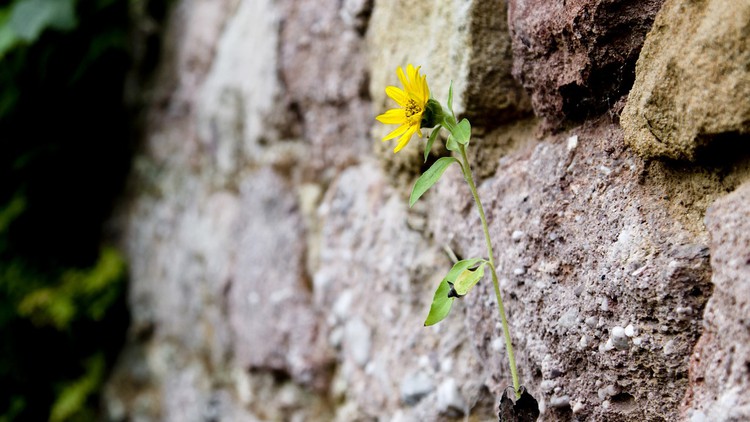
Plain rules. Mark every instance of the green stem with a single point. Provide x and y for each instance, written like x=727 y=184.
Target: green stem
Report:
x=506 y=331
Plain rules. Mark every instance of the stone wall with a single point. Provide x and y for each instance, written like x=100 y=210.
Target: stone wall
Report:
x=277 y=272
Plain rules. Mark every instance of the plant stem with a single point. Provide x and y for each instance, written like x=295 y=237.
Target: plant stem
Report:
x=506 y=331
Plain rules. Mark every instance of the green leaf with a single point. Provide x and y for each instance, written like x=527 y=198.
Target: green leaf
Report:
x=429 y=178
x=433 y=136
x=441 y=304
x=462 y=132
x=31 y=17
x=451 y=144
x=468 y=279
x=461 y=266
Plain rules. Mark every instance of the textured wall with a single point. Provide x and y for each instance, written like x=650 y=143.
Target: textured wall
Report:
x=278 y=274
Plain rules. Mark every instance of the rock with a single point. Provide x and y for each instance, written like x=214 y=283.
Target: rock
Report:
x=414 y=387
x=630 y=330
x=323 y=65
x=574 y=57
x=561 y=402
x=269 y=301
x=619 y=338
x=358 y=341
x=450 y=402
x=691 y=94
x=718 y=365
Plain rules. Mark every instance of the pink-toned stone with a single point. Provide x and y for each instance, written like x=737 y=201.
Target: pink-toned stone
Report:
x=577 y=57
x=719 y=364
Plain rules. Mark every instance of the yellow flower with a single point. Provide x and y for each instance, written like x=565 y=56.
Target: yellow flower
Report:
x=412 y=100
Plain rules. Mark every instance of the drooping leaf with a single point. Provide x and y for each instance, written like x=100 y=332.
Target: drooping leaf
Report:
x=441 y=304
x=461 y=266
x=429 y=178
x=467 y=280
x=430 y=141
x=462 y=132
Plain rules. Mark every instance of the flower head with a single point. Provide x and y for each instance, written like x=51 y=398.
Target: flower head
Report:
x=412 y=101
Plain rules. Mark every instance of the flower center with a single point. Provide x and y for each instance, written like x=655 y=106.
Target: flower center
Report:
x=412 y=108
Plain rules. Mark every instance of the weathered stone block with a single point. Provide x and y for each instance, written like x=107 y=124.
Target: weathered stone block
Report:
x=692 y=80
x=577 y=57
x=720 y=363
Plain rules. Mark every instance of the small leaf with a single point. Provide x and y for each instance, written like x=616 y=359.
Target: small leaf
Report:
x=462 y=132
x=433 y=136
x=461 y=266
x=450 y=98
x=467 y=280
x=441 y=304
x=451 y=144
x=429 y=178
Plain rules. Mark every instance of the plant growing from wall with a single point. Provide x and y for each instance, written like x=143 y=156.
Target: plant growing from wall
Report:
x=417 y=110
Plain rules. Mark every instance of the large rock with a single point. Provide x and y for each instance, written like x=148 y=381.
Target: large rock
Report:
x=692 y=80
x=719 y=369
x=604 y=268
x=577 y=57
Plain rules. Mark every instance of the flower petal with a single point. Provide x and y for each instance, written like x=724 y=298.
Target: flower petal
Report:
x=397 y=94
x=411 y=73
x=397 y=132
x=395 y=116
x=402 y=78
x=405 y=138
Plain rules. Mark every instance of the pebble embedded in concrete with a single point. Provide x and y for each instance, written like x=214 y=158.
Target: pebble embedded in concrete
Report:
x=583 y=343
x=578 y=407
x=608 y=391
x=605 y=304
x=592 y=321
x=619 y=339
x=630 y=330
x=498 y=344
x=669 y=348
x=559 y=402
x=572 y=142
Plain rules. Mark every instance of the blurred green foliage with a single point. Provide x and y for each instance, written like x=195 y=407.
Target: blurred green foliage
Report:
x=64 y=154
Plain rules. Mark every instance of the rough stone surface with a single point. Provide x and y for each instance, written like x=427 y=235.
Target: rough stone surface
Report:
x=692 y=81
x=609 y=241
x=719 y=365
x=277 y=272
x=577 y=57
